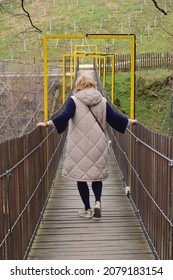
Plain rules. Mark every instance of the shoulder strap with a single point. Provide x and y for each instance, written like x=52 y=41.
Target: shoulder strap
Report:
x=96 y=119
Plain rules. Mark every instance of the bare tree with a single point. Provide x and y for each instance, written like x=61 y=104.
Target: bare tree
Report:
x=165 y=13
x=160 y=9
x=29 y=17
x=26 y=13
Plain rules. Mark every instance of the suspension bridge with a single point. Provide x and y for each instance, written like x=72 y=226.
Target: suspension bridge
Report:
x=39 y=208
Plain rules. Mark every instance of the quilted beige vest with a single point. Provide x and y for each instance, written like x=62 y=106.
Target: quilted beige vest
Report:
x=86 y=152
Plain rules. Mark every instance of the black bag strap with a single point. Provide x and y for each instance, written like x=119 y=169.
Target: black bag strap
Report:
x=96 y=119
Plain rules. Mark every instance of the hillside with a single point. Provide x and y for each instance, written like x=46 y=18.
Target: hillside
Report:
x=18 y=40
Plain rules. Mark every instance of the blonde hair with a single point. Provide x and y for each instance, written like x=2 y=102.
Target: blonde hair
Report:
x=85 y=82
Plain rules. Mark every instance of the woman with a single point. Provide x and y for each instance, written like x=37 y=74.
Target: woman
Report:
x=86 y=154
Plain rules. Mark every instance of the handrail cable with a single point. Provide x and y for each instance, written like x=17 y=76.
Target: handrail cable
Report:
x=7 y=172
x=21 y=213
x=138 y=213
x=137 y=175
x=151 y=148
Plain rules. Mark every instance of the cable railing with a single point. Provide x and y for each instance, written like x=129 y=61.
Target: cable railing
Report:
x=145 y=159
x=27 y=171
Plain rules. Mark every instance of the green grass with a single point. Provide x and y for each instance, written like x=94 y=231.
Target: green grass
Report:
x=152 y=97
x=86 y=16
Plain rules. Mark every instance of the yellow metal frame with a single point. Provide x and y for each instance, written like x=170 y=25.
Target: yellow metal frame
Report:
x=91 y=36
x=99 y=56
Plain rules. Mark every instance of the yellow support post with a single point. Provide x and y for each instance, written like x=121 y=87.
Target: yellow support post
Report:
x=104 y=72
x=63 y=79
x=71 y=72
x=99 y=66
x=45 y=80
x=46 y=152
x=113 y=79
x=132 y=99
x=132 y=102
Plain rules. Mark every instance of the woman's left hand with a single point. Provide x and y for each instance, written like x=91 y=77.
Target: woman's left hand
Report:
x=43 y=124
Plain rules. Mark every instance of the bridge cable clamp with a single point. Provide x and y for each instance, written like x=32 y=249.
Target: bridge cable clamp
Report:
x=8 y=173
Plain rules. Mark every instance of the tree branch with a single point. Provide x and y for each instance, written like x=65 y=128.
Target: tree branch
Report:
x=155 y=3
x=166 y=31
x=28 y=15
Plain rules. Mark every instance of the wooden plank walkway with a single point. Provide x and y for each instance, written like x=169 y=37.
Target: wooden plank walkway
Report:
x=62 y=234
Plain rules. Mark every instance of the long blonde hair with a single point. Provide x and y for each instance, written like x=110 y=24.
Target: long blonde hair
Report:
x=84 y=82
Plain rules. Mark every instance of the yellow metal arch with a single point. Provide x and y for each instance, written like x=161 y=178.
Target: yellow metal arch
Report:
x=74 y=56
x=91 y=36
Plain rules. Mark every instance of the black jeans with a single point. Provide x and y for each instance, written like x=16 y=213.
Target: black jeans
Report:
x=84 y=192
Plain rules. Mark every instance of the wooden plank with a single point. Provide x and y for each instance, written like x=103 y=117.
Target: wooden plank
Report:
x=62 y=234
x=66 y=247
x=89 y=246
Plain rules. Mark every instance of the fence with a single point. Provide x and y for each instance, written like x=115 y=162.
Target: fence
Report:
x=122 y=63
x=27 y=170
x=145 y=159
x=144 y=61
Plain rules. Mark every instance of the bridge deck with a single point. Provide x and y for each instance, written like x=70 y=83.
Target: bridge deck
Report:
x=62 y=234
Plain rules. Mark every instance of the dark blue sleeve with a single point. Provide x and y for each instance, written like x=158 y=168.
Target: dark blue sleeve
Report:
x=61 y=121
x=115 y=119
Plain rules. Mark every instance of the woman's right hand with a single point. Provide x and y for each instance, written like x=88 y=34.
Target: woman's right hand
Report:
x=132 y=122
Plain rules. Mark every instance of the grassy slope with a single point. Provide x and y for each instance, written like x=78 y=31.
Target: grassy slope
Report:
x=85 y=16
x=152 y=97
